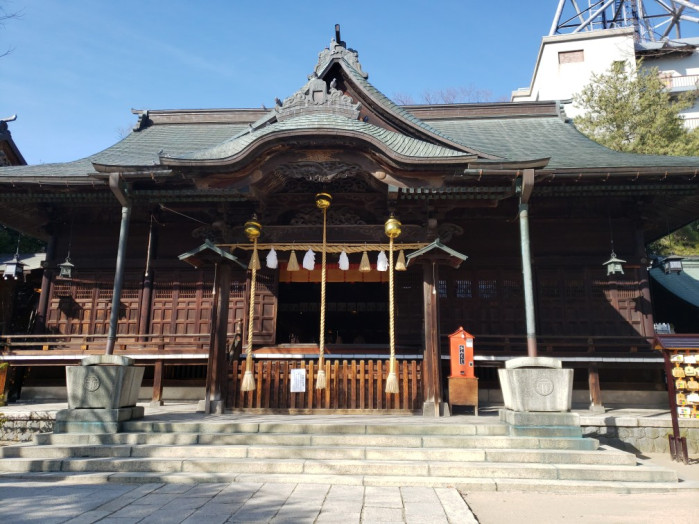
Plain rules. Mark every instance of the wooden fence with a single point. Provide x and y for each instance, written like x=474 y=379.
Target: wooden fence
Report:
x=351 y=386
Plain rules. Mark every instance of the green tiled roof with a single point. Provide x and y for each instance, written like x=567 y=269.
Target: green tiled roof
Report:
x=543 y=137
x=389 y=105
x=145 y=147
x=325 y=122
x=78 y=169
x=140 y=148
x=682 y=285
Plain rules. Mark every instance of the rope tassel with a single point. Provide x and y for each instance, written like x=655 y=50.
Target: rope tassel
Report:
x=400 y=263
x=392 y=380
x=365 y=265
x=321 y=382
x=323 y=201
x=392 y=230
x=254 y=261
x=293 y=264
x=252 y=229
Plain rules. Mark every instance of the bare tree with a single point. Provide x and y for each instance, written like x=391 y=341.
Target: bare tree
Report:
x=403 y=99
x=6 y=15
x=451 y=95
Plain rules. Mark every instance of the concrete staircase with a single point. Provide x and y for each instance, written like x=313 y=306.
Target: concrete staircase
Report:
x=470 y=456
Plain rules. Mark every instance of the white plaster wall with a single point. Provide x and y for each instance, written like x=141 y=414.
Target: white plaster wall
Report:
x=554 y=81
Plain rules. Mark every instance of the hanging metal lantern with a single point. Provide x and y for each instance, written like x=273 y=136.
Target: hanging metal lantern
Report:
x=672 y=264
x=65 y=270
x=614 y=265
x=14 y=269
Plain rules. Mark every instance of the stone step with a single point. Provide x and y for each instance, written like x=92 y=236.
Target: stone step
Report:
x=140 y=426
x=546 y=431
x=415 y=468
x=322 y=440
x=462 y=455
x=472 y=484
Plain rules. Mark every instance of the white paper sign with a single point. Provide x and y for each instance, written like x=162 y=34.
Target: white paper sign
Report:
x=298 y=380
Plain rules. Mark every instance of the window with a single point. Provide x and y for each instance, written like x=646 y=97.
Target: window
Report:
x=571 y=57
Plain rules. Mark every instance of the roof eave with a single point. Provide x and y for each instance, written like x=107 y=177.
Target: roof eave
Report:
x=273 y=138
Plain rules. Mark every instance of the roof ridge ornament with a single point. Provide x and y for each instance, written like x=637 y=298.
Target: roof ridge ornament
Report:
x=317 y=97
x=338 y=49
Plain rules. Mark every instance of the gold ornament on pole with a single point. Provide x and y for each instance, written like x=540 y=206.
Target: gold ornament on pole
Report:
x=392 y=230
x=323 y=201
x=252 y=231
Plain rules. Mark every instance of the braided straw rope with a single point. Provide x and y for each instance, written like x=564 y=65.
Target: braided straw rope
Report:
x=320 y=382
x=329 y=248
x=248 y=379
x=392 y=380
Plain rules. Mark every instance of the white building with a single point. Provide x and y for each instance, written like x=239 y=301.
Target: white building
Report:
x=566 y=63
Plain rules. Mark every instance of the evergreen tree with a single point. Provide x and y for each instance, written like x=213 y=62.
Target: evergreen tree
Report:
x=632 y=111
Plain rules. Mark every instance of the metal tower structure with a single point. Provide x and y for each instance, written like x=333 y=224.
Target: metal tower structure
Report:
x=653 y=19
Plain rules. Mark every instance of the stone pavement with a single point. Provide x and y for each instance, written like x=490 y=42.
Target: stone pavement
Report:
x=46 y=503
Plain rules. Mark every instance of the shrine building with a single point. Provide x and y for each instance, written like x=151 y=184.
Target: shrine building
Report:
x=379 y=229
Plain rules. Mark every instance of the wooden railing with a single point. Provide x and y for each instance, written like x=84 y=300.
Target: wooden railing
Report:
x=351 y=386
x=39 y=349
x=565 y=346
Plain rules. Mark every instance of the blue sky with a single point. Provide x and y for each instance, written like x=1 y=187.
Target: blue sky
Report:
x=77 y=67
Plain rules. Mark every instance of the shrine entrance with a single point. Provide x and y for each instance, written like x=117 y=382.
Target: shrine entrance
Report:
x=356 y=313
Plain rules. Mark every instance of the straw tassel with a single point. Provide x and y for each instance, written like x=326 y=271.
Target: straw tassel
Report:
x=400 y=263
x=254 y=261
x=321 y=382
x=248 y=379
x=293 y=264
x=365 y=265
x=392 y=379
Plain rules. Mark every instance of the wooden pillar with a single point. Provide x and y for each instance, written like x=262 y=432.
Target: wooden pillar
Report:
x=432 y=357
x=158 y=383
x=46 y=279
x=216 y=368
x=595 y=391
